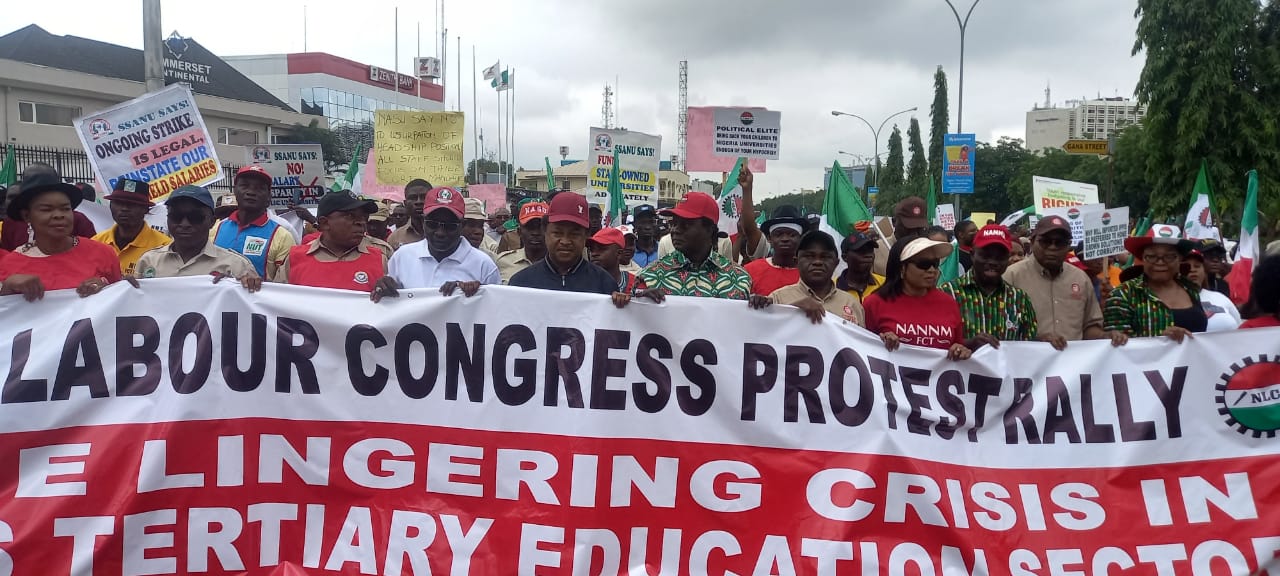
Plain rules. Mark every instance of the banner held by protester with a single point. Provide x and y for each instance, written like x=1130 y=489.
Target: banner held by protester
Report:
x=409 y=144
x=270 y=432
x=158 y=137
x=296 y=170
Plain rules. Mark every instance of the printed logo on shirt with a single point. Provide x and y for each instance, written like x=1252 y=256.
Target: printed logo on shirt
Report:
x=848 y=314
x=149 y=273
x=926 y=335
x=362 y=278
x=255 y=246
x=1076 y=292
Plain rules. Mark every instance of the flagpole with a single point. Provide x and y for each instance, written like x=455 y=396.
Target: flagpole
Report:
x=501 y=151
x=459 y=58
x=511 y=82
x=475 y=122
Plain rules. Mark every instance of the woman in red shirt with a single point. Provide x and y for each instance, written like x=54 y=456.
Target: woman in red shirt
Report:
x=909 y=308
x=54 y=258
x=1265 y=293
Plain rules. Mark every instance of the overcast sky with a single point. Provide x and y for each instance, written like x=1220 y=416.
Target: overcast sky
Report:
x=802 y=57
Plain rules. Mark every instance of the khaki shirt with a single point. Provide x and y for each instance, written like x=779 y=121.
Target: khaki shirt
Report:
x=323 y=254
x=403 y=235
x=1066 y=305
x=166 y=263
x=837 y=301
x=510 y=262
x=488 y=244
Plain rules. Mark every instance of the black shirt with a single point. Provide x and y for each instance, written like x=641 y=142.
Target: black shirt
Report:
x=583 y=277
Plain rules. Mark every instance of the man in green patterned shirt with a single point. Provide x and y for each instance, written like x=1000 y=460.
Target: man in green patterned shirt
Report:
x=695 y=268
x=992 y=309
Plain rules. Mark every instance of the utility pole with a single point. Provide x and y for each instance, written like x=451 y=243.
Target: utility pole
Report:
x=152 y=46
x=964 y=25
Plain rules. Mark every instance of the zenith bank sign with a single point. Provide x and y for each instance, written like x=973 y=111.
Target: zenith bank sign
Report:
x=388 y=77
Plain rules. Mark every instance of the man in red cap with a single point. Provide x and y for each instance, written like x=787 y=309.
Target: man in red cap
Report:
x=608 y=249
x=564 y=268
x=1066 y=306
x=340 y=257
x=443 y=258
x=250 y=230
x=533 y=245
x=992 y=309
x=130 y=201
x=695 y=269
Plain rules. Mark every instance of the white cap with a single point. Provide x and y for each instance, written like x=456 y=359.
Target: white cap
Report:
x=915 y=247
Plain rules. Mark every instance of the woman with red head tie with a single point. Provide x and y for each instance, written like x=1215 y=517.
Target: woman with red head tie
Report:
x=54 y=258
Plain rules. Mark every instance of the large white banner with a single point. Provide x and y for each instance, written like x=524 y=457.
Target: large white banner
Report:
x=638 y=159
x=1055 y=193
x=300 y=430
x=158 y=137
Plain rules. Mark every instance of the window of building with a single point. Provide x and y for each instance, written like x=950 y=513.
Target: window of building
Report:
x=51 y=114
x=237 y=137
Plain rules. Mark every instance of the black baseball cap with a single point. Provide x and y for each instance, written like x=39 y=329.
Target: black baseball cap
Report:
x=644 y=210
x=857 y=241
x=344 y=201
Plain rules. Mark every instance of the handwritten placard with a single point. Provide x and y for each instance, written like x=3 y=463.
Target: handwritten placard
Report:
x=426 y=145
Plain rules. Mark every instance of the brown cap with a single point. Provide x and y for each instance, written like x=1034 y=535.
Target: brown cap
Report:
x=910 y=212
x=1051 y=223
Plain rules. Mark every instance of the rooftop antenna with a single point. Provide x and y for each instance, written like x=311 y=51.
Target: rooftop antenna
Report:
x=606 y=111
x=1046 y=94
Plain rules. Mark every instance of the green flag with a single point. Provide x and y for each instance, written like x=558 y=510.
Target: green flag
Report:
x=9 y=172
x=617 y=204
x=843 y=206
x=347 y=181
x=551 y=176
x=950 y=268
x=933 y=204
x=761 y=217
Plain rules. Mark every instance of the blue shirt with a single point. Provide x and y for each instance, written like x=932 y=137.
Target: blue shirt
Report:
x=583 y=277
x=642 y=258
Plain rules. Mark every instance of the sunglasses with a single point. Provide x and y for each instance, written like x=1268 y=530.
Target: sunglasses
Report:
x=194 y=217
x=1053 y=242
x=925 y=264
x=448 y=227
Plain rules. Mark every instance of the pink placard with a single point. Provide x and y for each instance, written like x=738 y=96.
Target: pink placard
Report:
x=493 y=195
x=700 y=156
x=369 y=183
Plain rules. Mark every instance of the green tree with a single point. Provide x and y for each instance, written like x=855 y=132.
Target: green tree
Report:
x=918 y=167
x=940 y=123
x=892 y=184
x=997 y=173
x=1205 y=86
x=487 y=165
x=808 y=202
x=313 y=133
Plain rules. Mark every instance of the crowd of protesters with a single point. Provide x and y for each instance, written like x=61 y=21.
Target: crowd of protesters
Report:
x=1016 y=285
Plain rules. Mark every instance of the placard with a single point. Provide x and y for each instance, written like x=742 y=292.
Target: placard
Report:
x=1054 y=193
x=638 y=155
x=1105 y=231
x=959 y=151
x=747 y=132
x=427 y=145
x=296 y=170
x=945 y=216
x=157 y=137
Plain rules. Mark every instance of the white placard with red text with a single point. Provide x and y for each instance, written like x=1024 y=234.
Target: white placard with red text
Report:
x=308 y=431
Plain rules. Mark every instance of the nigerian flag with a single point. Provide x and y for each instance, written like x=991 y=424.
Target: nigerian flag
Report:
x=9 y=172
x=617 y=203
x=551 y=176
x=350 y=180
x=730 y=200
x=843 y=207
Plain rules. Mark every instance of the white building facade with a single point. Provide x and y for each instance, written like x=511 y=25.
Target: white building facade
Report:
x=1080 y=120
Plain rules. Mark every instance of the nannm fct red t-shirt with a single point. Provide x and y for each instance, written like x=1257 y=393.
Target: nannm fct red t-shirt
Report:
x=929 y=321
x=87 y=259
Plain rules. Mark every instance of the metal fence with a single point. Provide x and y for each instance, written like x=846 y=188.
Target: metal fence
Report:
x=74 y=165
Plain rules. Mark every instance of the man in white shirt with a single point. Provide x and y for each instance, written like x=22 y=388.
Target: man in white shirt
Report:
x=441 y=259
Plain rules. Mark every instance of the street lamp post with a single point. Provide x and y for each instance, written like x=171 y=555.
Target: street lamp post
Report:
x=875 y=133
x=963 y=24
